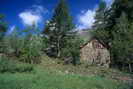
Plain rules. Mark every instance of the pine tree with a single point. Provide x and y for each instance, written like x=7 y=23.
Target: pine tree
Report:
x=3 y=26
x=122 y=44
x=116 y=10
x=100 y=24
x=59 y=27
x=100 y=16
x=117 y=31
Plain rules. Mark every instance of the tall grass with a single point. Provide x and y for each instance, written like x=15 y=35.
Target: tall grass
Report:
x=46 y=79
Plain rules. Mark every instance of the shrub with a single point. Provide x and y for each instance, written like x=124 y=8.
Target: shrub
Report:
x=71 y=53
x=24 y=68
x=12 y=44
x=31 y=52
x=27 y=48
x=8 y=65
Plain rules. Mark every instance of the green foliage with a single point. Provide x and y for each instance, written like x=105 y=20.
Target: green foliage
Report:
x=116 y=10
x=48 y=79
x=123 y=35
x=23 y=67
x=8 y=65
x=3 y=27
x=117 y=33
x=101 y=23
x=71 y=52
x=31 y=52
x=100 y=17
x=61 y=39
x=58 y=29
x=26 y=48
x=13 y=44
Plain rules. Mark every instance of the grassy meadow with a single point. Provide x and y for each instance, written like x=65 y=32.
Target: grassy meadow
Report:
x=52 y=74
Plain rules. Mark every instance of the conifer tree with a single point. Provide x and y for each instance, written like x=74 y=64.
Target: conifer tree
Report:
x=100 y=16
x=3 y=26
x=122 y=44
x=100 y=24
x=58 y=29
x=116 y=10
x=117 y=31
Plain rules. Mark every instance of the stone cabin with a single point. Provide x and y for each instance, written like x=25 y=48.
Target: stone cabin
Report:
x=95 y=52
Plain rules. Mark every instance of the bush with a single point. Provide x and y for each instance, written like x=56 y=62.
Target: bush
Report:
x=12 y=44
x=27 y=49
x=31 y=52
x=8 y=65
x=24 y=68
x=71 y=53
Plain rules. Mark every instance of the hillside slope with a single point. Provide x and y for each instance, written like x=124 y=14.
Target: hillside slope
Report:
x=52 y=74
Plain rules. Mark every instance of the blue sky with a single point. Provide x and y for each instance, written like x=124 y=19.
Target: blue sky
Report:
x=20 y=13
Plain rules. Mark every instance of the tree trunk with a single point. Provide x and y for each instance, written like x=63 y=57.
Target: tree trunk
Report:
x=130 y=68
x=58 y=48
x=123 y=67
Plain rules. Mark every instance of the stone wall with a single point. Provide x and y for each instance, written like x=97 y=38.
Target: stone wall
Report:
x=93 y=55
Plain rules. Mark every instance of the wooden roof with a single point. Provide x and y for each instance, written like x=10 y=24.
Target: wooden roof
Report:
x=94 y=38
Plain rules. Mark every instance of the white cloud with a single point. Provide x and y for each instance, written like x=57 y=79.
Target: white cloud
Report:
x=86 y=19
x=109 y=2
x=29 y=18
x=33 y=15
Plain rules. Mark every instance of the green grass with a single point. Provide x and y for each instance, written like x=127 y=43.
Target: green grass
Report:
x=46 y=79
x=53 y=75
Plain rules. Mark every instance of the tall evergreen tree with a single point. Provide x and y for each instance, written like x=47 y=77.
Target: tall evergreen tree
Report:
x=100 y=24
x=116 y=10
x=3 y=26
x=122 y=44
x=59 y=27
x=100 y=16
x=117 y=32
